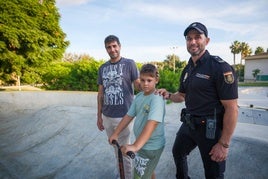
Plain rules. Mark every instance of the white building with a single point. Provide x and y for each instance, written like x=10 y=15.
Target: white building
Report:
x=254 y=62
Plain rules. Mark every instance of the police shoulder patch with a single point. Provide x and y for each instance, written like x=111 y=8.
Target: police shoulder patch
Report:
x=218 y=59
x=228 y=77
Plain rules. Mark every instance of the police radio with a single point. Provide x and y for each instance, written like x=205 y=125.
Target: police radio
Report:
x=211 y=126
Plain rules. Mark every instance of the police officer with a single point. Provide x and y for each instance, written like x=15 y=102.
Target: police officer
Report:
x=209 y=88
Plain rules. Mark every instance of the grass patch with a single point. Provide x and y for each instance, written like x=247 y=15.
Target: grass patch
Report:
x=253 y=84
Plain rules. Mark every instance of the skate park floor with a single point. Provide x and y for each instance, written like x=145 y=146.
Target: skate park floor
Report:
x=53 y=134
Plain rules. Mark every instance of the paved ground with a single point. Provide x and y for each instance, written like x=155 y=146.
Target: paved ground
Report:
x=54 y=135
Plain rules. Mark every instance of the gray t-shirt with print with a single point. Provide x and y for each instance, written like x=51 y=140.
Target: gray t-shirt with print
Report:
x=117 y=79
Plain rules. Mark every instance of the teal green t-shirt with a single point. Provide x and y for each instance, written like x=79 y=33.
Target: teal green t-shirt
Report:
x=149 y=107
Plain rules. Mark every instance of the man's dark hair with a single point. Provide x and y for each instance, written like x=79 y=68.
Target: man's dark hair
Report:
x=111 y=38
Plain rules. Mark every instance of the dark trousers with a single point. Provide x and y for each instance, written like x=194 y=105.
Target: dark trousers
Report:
x=186 y=140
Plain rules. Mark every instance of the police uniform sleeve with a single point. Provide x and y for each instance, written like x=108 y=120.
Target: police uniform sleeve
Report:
x=226 y=82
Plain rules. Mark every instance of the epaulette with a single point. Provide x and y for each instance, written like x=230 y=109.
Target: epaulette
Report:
x=218 y=59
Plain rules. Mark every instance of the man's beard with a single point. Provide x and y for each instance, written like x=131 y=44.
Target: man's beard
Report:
x=114 y=56
x=195 y=53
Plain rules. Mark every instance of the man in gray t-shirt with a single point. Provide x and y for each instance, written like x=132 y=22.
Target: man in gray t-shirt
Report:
x=116 y=93
x=116 y=79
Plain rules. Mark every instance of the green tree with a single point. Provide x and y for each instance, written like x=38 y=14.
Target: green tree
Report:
x=84 y=75
x=245 y=50
x=235 y=49
x=259 y=50
x=57 y=76
x=255 y=73
x=173 y=63
x=30 y=39
x=78 y=75
x=240 y=69
x=169 y=80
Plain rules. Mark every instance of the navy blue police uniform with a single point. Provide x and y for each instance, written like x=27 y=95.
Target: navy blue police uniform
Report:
x=204 y=85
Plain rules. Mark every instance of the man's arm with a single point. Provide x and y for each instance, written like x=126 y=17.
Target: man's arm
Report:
x=229 y=120
x=176 y=97
x=220 y=150
x=99 y=112
x=137 y=84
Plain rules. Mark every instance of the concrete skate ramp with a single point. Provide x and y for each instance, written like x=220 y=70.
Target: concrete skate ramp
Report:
x=54 y=135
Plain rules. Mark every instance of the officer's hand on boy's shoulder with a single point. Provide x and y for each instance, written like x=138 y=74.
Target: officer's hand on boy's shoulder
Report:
x=163 y=92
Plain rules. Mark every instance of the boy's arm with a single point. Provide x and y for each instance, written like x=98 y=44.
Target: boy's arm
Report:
x=145 y=134
x=121 y=126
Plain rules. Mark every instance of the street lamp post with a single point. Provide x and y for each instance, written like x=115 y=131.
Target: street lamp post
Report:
x=173 y=58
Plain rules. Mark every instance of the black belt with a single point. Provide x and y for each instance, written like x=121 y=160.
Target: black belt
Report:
x=193 y=119
x=198 y=120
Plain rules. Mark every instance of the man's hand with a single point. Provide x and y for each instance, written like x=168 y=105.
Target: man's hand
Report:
x=163 y=92
x=100 y=123
x=219 y=153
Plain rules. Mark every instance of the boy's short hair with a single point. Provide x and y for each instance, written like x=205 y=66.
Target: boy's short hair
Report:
x=149 y=69
x=111 y=38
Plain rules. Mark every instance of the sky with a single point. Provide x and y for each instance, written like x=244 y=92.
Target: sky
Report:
x=149 y=30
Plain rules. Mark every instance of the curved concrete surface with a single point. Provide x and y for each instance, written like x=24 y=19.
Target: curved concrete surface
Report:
x=54 y=135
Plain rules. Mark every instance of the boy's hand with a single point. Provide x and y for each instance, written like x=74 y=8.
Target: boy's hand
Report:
x=113 y=137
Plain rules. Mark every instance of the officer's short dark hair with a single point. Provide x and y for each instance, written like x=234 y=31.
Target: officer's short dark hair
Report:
x=111 y=38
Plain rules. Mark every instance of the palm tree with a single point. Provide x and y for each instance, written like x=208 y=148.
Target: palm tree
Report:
x=245 y=50
x=259 y=50
x=235 y=48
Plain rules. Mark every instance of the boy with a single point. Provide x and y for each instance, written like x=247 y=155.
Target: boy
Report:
x=149 y=110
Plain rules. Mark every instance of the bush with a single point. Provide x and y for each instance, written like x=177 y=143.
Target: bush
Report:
x=80 y=75
x=169 y=80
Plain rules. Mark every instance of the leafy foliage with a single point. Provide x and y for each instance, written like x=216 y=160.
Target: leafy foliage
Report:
x=245 y=50
x=239 y=70
x=235 y=49
x=259 y=50
x=81 y=72
x=30 y=39
x=240 y=47
x=79 y=75
x=255 y=72
x=169 y=80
